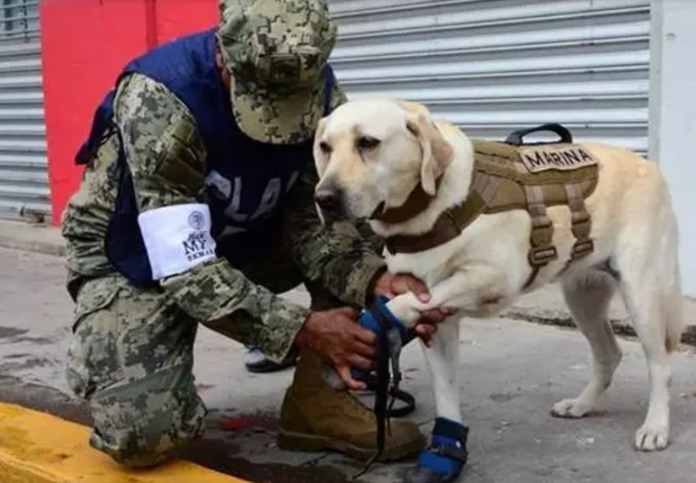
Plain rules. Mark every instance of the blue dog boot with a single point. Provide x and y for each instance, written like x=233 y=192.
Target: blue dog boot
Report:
x=446 y=456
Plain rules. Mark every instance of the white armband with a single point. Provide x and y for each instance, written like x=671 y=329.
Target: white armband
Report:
x=177 y=238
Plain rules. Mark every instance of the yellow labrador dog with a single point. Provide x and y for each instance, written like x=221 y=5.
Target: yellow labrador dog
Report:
x=372 y=154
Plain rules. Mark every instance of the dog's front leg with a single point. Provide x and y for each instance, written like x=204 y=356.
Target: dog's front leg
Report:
x=466 y=291
x=442 y=359
x=447 y=455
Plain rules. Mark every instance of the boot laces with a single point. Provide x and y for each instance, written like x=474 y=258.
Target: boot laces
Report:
x=355 y=403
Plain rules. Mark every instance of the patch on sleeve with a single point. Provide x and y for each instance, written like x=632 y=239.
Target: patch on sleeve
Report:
x=177 y=238
x=183 y=156
x=563 y=157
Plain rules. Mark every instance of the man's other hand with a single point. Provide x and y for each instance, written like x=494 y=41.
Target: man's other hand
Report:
x=336 y=337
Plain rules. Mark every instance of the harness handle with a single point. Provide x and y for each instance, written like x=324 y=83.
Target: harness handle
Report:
x=516 y=137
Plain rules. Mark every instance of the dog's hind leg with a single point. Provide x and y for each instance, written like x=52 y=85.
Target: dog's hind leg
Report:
x=644 y=303
x=650 y=286
x=588 y=296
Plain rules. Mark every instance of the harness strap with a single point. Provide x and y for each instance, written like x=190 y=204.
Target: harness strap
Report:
x=581 y=222
x=486 y=186
x=453 y=221
x=542 y=250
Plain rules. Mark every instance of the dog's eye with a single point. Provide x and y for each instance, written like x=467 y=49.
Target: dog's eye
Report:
x=325 y=148
x=366 y=142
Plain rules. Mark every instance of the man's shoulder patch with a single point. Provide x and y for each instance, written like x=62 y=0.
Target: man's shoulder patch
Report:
x=563 y=157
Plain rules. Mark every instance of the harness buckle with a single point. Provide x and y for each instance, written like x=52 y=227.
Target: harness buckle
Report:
x=541 y=255
x=541 y=223
x=582 y=248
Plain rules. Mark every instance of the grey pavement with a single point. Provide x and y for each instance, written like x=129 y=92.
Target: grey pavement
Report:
x=511 y=373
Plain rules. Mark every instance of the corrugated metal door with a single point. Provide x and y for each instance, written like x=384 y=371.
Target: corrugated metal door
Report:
x=24 y=189
x=492 y=66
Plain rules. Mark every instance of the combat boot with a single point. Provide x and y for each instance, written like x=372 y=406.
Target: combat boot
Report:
x=316 y=417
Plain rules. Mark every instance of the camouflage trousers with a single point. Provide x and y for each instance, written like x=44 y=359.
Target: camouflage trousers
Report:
x=131 y=358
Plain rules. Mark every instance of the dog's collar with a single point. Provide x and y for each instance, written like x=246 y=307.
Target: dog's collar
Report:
x=447 y=227
x=416 y=203
x=449 y=224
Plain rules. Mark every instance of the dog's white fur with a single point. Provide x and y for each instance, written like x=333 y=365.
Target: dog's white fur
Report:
x=481 y=272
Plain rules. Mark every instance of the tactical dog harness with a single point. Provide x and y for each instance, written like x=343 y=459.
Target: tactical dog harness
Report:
x=506 y=176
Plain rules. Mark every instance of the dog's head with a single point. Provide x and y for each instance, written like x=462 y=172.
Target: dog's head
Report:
x=372 y=153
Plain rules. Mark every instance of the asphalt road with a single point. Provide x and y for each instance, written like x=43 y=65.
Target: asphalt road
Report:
x=511 y=373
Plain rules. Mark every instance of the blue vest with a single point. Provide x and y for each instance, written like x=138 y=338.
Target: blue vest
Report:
x=246 y=181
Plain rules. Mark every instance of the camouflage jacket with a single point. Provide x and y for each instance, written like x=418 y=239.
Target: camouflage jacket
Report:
x=148 y=117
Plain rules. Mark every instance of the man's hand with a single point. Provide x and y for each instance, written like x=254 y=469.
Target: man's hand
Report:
x=391 y=285
x=337 y=338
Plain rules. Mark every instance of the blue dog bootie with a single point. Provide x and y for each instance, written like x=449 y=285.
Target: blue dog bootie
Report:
x=446 y=456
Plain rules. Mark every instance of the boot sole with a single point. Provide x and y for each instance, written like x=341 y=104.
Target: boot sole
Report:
x=292 y=441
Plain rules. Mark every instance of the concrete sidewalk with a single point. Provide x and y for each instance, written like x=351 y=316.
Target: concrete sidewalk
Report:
x=545 y=306
x=37 y=238
x=510 y=375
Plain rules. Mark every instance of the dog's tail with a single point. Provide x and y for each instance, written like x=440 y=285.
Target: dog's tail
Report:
x=672 y=298
x=673 y=314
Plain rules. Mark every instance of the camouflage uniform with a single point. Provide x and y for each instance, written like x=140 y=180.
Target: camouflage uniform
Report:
x=131 y=354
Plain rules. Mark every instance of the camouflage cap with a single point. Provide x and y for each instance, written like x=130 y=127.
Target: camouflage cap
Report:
x=276 y=51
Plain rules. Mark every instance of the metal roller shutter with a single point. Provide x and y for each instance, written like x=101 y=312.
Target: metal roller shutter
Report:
x=24 y=188
x=492 y=66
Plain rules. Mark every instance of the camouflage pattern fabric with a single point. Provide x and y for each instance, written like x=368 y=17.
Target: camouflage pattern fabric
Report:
x=277 y=50
x=153 y=124
x=131 y=358
x=131 y=355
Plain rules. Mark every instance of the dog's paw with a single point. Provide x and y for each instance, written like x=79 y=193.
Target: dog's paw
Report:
x=407 y=308
x=652 y=438
x=570 y=409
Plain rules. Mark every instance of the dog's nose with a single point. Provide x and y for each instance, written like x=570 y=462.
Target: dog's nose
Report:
x=326 y=200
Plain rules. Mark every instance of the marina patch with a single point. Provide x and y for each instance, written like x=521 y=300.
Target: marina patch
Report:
x=558 y=157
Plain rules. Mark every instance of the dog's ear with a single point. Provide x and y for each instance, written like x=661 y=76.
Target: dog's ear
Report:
x=437 y=152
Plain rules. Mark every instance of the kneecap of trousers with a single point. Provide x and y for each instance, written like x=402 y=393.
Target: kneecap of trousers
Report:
x=131 y=358
x=147 y=422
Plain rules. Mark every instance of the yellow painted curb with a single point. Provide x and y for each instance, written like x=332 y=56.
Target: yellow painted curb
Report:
x=36 y=447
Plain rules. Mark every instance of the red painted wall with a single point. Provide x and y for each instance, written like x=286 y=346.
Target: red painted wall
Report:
x=85 y=43
x=181 y=17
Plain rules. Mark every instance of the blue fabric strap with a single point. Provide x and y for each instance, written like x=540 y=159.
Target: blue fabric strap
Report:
x=450 y=429
x=373 y=319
